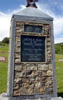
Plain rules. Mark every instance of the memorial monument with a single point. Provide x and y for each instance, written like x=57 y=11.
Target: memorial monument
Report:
x=32 y=72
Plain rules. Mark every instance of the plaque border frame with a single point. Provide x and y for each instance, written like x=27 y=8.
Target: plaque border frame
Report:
x=34 y=32
x=45 y=50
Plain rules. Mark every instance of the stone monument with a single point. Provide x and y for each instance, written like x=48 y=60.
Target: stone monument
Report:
x=32 y=72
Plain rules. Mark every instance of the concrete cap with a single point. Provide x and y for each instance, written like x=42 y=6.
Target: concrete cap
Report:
x=33 y=12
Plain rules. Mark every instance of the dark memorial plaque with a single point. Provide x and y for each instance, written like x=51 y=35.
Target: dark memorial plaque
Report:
x=33 y=28
x=32 y=49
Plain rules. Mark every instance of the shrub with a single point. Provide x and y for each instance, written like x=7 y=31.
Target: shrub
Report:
x=5 y=40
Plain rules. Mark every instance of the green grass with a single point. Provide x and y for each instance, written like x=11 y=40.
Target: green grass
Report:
x=4 y=49
x=3 y=77
x=59 y=73
x=4 y=70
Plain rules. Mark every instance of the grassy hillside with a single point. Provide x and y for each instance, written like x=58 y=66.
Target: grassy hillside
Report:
x=4 y=69
x=59 y=48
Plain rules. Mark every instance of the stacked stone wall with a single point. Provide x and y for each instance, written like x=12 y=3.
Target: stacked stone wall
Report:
x=32 y=77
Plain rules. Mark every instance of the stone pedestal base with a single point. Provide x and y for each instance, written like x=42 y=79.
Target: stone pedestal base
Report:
x=4 y=96
x=57 y=98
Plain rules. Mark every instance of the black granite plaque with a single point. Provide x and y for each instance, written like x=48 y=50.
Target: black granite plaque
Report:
x=33 y=28
x=32 y=49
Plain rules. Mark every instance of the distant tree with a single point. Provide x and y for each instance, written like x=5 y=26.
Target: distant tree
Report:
x=5 y=40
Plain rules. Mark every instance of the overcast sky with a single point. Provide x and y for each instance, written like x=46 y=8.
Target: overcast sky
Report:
x=53 y=8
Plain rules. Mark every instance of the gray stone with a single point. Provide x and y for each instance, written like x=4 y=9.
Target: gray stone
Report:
x=23 y=73
x=16 y=86
x=17 y=75
x=17 y=49
x=38 y=78
x=32 y=86
x=49 y=52
x=38 y=84
x=36 y=90
x=17 y=80
x=44 y=73
x=17 y=60
x=49 y=83
x=24 y=67
x=18 y=43
x=18 y=67
x=49 y=90
x=17 y=56
x=25 y=80
x=29 y=72
x=30 y=91
x=31 y=79
x=4 y=96
x=19 y=30
x=43 y=84
x=50 y=67
x=49 y=73
x=31 y=67
x=42 y=67
x=17 y=38
x=25 y=85
x=48 y=39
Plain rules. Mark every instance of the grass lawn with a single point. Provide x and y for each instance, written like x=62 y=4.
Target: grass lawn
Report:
x=4 y=70
x=59 y=73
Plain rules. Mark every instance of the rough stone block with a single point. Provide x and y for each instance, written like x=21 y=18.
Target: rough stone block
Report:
x=49 y=52
x=18 y=67
x=25 y=80
x=17 y=39
x=49 y=48
x=17 y=55
x=17 y=49
x=17 y=60
x=48 y=83
x=44 y=73
x=48 y=39
x=31 y=67
x=18 y=43
x=16 y=87
x=30 y=91
x=49 y=90
x=37 y=78
x=20 y=30
x=49 y=73
x=42 y=67
x=37 y=84
x=41 y=91
x=49 y=43
x=50 y=67
x=17 y=80
x=36 y=90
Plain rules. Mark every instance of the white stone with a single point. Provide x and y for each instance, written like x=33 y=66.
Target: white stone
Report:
x=3 y=96
x=19 y=30
x=57 y=98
